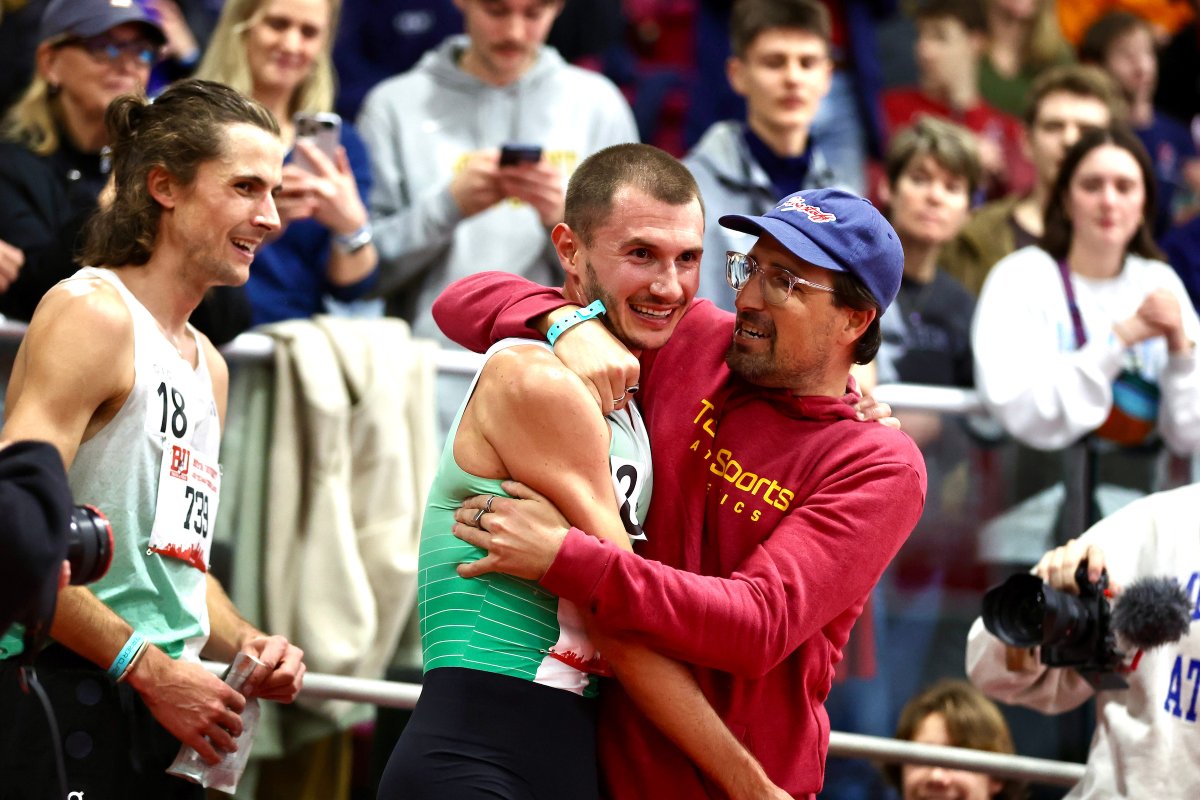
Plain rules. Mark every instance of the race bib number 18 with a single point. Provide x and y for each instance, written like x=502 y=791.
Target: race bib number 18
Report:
x=188 y=487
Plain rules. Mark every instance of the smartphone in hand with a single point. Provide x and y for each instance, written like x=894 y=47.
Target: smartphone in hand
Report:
x=512 y=154
x=320 y=128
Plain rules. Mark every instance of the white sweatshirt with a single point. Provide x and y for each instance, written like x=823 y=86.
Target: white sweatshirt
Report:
x=1047 y=393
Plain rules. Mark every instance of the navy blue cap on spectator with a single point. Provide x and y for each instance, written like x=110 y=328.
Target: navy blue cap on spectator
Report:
x=836 y=230
x=84 y=18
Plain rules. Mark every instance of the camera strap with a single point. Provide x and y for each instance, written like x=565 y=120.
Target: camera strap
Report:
x=34 y=640
x=37 y=632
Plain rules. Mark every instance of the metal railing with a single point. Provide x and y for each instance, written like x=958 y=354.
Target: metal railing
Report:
x=392 y=694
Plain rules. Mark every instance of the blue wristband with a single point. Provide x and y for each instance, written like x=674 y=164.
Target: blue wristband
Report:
x=121 y=662
x=565 y=324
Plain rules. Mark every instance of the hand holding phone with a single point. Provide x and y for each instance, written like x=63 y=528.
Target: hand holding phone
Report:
x=538 y=182
x=512 y=154
x=320 y=128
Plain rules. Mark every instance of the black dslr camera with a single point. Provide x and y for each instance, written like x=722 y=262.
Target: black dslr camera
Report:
x=89 y=554
x=1072 y=631
x=89 y=545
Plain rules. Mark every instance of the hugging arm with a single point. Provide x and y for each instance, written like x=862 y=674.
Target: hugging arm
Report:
x=539 y=420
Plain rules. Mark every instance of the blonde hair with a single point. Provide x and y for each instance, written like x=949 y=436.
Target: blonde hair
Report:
x=31 y=120
x=225 y=59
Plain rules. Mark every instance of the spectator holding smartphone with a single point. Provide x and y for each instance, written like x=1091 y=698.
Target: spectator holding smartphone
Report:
x=278 y=52
x=444 y=206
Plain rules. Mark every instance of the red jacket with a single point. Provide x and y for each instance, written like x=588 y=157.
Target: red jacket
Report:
x=755 y=581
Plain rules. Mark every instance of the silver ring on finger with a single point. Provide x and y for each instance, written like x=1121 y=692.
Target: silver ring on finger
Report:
x=617 y=400
x=632 y=389
x=487 y=507
x=478 y=516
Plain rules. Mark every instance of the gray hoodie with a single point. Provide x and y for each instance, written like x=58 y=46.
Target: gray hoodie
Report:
x=732 y=182
x=421 y=125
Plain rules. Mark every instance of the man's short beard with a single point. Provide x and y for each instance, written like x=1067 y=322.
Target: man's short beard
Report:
x=593 y=290
x=766 y=370
x=756 y=368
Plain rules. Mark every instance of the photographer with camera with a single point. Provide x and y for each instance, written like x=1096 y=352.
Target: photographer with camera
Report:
x=1146 y=742
x=45 y=541
x=35 y=506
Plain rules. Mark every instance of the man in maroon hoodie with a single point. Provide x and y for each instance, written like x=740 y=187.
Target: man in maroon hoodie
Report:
x=774 y=511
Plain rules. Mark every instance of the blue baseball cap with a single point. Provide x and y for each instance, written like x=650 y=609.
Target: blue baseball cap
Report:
x=837 y=230
x=84 y=18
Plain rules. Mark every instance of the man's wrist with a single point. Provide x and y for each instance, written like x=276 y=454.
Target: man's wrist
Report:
x=130 y=651
x=579 y=560
x=571 y=320
x=141 y=675
x=248 y=634
x=551 y=318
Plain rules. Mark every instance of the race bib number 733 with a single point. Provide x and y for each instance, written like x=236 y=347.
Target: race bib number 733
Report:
x=188 y=487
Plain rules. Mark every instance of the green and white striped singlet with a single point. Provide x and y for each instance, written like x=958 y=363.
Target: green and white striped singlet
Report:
x=501 y=624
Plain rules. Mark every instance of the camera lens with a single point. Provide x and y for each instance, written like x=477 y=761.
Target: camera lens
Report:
x=89 y=545
x=1013 y=611
x=1025 y=612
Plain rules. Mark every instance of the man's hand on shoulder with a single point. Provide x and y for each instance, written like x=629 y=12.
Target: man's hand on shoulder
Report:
x=861 y=382
x=868 y=409
x=196 y=707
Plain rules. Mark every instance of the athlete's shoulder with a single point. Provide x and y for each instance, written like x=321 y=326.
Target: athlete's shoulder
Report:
x=79 y=345
x=85 y=308
x=532 y=377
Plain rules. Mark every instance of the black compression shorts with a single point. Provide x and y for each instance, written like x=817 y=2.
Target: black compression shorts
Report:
x=476 y=735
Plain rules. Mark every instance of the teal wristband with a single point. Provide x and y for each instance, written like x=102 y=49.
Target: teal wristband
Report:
x=121 y=662
x=563 y=325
